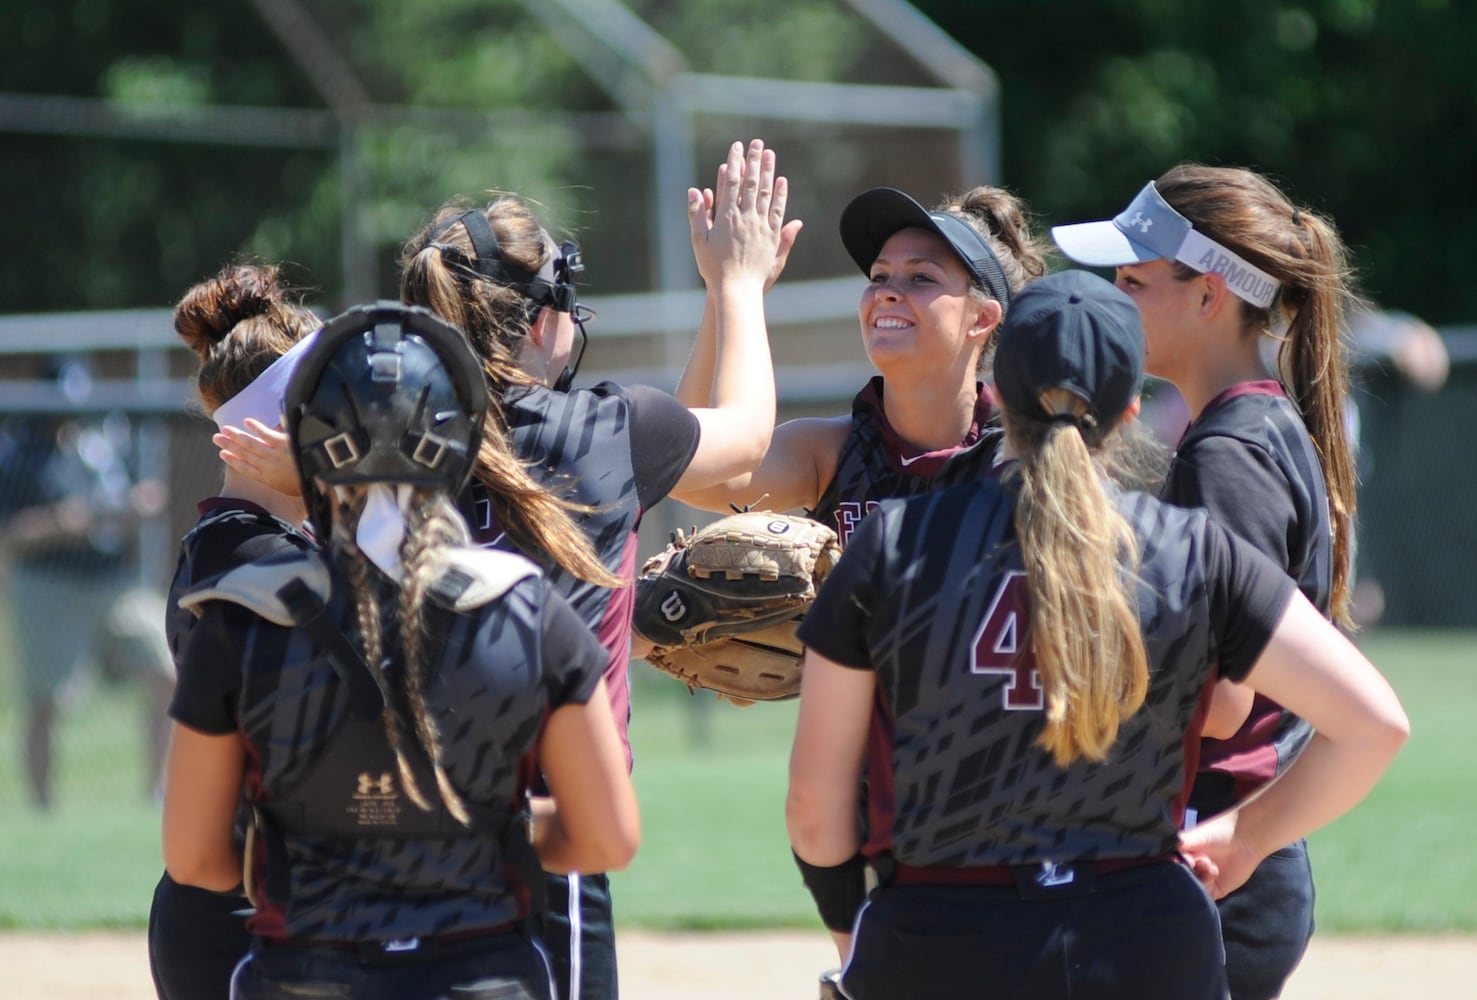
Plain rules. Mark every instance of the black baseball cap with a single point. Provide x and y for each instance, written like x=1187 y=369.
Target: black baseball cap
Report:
x=874 y=215
x=1071 y=330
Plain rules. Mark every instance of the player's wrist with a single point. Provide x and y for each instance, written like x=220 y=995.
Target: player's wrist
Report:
x=838 y=890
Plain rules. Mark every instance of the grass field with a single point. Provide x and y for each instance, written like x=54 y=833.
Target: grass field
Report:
x=711 y=782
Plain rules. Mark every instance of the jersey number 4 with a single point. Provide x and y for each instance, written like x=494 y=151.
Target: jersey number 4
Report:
x=997 y=645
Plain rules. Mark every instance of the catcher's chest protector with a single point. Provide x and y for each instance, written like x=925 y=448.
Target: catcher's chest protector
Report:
x=352 y=785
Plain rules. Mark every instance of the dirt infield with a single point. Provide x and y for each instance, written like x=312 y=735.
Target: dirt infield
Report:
x=774 y=966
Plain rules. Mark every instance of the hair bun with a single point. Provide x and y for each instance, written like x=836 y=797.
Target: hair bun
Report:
x=212 y=309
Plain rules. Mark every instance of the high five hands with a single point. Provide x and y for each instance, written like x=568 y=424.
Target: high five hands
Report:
x=738 y=226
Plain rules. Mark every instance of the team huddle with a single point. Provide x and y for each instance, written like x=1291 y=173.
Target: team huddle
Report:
x=1067 y=708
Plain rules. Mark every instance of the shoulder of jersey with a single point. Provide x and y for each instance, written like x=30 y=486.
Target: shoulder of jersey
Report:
x=468 y=577
x=258 y=586
x=465 y=578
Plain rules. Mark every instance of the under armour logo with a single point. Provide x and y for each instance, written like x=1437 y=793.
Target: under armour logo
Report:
x=371 y=785
x=672 y=607
x=401 y=944
x=1139 y=220
x=1053 y=874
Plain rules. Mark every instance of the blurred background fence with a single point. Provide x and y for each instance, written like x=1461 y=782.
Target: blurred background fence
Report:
x=1416 y=542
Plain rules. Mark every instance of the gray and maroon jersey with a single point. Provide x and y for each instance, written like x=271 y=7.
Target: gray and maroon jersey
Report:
x=874 y=464
x=501 y=670
x=1248 y=460
x=619 y=450
x=931 y=595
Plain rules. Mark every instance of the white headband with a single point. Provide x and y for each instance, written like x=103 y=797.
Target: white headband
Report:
x=262 y=398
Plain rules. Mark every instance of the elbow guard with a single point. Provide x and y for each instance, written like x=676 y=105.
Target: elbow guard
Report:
x=838 y=891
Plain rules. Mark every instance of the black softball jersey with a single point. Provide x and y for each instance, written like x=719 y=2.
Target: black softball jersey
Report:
x=875 y=464
x=618 y=450
x=931 y=594
x=1248 y=461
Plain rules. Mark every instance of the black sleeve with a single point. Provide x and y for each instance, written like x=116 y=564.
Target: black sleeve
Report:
x=1242 y=489
x=573 y=659
x=208 y=663
x=1248 y=594
x=664 y=437
x=838 y=622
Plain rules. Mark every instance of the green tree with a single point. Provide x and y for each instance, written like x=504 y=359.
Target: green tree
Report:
x=1360 y=108
x=437 y=100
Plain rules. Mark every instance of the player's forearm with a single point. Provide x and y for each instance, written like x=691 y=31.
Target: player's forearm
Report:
x=695 y=388
x=216 y=871
x=1230 y=707
x=822 y=825
x=743 y=377
x=1327 y=780
x=546 y=832
x=561 y=853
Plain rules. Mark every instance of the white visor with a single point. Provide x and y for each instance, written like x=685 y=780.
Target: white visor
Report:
x=1150 y=229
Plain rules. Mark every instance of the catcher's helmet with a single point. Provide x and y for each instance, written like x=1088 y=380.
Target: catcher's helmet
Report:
x=388 y=393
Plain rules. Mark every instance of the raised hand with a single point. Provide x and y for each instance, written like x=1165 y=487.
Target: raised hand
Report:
x=788 y=235
x=738 y=227
x=261 y=453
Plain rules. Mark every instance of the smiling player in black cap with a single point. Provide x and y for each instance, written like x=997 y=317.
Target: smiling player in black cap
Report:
x=939 y=282
x=1020 y=666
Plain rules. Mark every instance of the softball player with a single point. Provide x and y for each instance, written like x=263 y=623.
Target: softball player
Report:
x=1018 y=662
x=497 y=274
x=387 y=705
x=940 y=282
x=1222 y=264
x=248 y=333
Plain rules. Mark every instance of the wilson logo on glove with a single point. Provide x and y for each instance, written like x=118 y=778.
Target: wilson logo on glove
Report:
x=673 y=610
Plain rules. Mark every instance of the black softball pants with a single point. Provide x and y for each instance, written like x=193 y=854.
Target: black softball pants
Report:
x=1147 y=933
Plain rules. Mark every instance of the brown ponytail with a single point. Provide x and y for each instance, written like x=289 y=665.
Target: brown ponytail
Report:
x=438 y=272
x=1005 y=223
x=1246 y=213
